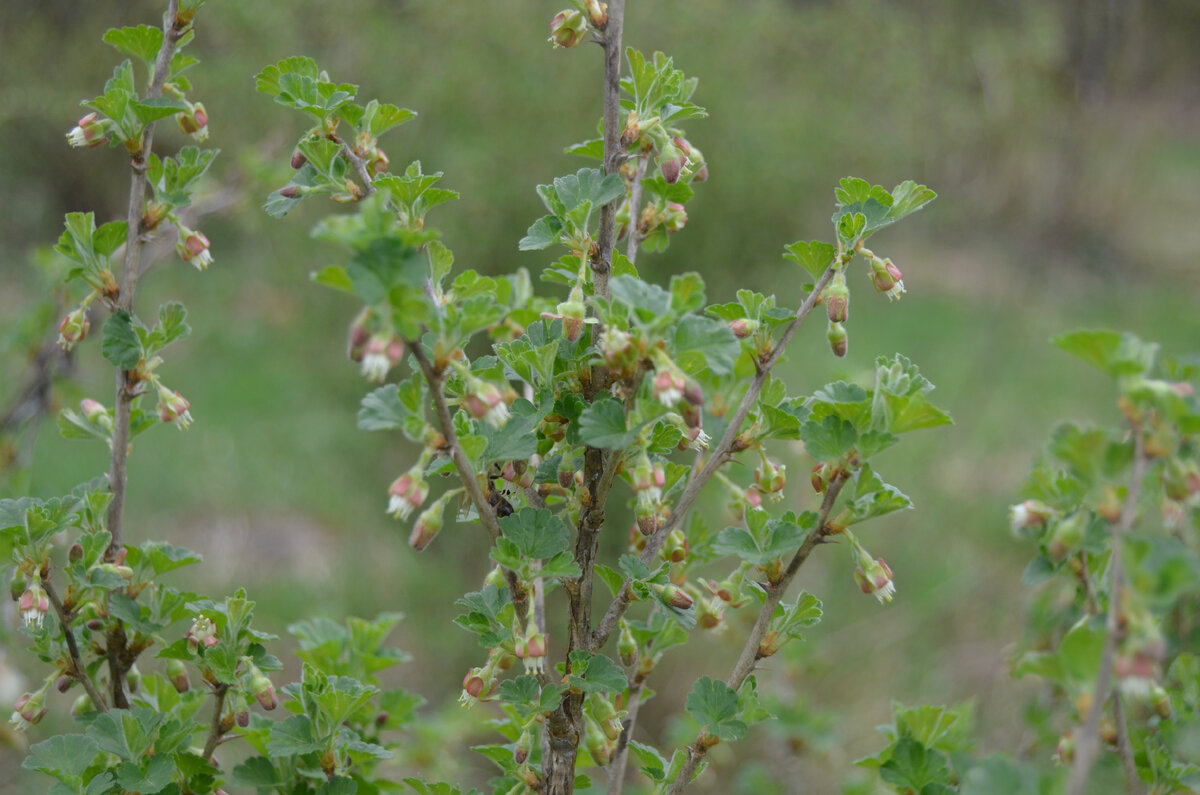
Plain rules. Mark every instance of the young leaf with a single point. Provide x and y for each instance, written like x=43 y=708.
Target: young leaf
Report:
x=602 y=424
x=537 y=533
x=814 y=257
x=121 y=345
x=714 y=705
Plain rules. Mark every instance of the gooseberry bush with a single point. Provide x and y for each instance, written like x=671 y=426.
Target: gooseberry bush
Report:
x=556 y=419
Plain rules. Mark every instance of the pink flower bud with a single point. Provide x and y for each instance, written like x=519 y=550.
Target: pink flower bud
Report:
x=298 y=159
x=94 y=411
x=668 y=387
x=73 y=328
x=743 y=327
x=408 y=492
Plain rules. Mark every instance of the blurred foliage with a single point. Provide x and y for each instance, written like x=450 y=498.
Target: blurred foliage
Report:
x=1063 y=138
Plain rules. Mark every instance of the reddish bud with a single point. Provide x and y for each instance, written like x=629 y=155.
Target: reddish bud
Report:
x=298 y=159
x=568 y=28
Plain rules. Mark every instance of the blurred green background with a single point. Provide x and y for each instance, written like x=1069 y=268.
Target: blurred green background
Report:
x=1063 y=138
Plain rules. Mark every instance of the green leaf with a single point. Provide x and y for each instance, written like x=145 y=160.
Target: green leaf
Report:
x=334 y=276
x=1110 y=352
x=653 y=763
x=120 y=345
x=537 y=533
x=829 y=439
x=541 y=234
x=142 y=42
x=595 y=673
x=650 y=301
x=701 y=342
x=602 y=424
x=814 y=257
x=293 y=736
x=517 y=439
x=914 y=766
x=687 y=293
x=714 y=705
x=65 y=754
x=109 y=237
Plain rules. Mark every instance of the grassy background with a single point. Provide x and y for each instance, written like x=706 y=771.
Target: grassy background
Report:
x=1064 y=140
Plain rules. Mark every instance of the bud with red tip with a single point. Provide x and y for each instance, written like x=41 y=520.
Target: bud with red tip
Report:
x=261 y=688
x=177 y=675
x=90 y=131
x=675 y=217
x=572 y=313
x=837 y=299
x=193 y=247
x=838 y=342
x=646 y=513
x=568 y=28
x=194 y=121
x=73 y=328
x=672 y=595
x=429 y=523
x=95 y=413
x=743 y=327
x=358 y=336
x=671 y=162
x=173 y=407
x=627 y=646
x=771 y=478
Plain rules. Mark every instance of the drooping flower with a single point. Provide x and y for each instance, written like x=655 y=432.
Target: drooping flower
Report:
x=485 y=401
x=34 y=605
x=29 y=709
x=874 y=576
x=173 y=407
x=568 y=28
x=90 y=131
x=887 y=278
x=408 y=492
x=193 y=247
x=194 y=121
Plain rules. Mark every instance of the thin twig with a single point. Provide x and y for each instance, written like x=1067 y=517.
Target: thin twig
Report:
x=360 y=168
x=635 y=201
x=487 y=516
x=751 y=651
x=719 y=456
x=616 y=769
x=78 y=671
x=215 y=733
x=1133 y=784
x=1088 y=742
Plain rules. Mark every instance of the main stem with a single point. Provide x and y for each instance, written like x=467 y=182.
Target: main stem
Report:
x=131 y=270
x=119 y=660
x=565 y=727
